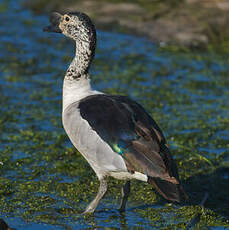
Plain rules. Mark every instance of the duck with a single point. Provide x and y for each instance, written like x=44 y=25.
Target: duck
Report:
x=115 y=134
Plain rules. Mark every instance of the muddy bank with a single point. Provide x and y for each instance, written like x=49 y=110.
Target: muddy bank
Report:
x=182 y=22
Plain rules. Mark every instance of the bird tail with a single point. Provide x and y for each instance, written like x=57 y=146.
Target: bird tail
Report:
x=170 y=191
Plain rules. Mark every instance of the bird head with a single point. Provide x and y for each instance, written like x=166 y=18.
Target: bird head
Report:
x=77 y=26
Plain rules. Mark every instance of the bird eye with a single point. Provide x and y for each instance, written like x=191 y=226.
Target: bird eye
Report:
x=67 y=18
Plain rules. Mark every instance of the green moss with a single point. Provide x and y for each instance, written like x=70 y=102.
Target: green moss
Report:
x=44 y=179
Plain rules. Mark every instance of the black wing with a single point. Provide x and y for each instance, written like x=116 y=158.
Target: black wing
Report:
x=132 y=133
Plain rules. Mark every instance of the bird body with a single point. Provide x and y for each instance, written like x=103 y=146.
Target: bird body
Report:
x=101 y=157
x=115 y=134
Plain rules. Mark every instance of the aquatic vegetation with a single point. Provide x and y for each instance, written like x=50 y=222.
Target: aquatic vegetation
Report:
x=45 y=182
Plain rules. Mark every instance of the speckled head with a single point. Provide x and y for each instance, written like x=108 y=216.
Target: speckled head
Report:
x=77 y=26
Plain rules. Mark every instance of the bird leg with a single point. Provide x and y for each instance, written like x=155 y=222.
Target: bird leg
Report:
x=102 y=190
x=125 y=194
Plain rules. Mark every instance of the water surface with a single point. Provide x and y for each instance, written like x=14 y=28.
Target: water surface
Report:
x=45 y=183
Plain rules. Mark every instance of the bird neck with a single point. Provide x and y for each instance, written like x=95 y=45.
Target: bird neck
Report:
x=77 y=81
x=80 y=64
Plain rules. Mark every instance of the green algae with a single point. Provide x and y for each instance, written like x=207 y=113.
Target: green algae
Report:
x=45 y=180
x=30 y=179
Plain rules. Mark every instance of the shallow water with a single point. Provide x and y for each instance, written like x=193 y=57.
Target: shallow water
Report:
x=45 y=183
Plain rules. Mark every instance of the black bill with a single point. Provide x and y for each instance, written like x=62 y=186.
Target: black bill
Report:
x=54 y=21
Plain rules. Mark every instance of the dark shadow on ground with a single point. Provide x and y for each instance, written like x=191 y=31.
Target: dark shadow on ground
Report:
x=216 y=184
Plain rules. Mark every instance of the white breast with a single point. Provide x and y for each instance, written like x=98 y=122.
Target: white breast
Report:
x=75 y=90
